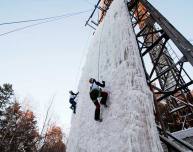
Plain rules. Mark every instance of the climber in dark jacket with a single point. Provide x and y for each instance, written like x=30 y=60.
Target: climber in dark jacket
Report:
x=72 y=100
x=95 y=93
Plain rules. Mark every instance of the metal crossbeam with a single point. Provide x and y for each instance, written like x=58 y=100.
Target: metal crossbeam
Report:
x=180 y=41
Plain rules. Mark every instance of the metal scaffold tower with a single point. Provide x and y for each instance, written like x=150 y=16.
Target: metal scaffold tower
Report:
x=167 y=77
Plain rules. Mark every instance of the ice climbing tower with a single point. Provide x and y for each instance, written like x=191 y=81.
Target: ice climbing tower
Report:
x=167 y=57
x=128 y=124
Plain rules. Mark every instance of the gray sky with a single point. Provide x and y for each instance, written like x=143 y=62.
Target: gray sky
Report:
x=44 y=61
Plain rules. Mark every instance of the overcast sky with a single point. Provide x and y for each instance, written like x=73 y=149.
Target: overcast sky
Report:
x=44 y=61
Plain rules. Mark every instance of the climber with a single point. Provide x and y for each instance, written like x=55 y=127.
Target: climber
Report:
x=72 y=100
x=95 y=93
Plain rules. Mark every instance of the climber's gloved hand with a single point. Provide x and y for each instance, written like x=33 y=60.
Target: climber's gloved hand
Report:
x=103 y=83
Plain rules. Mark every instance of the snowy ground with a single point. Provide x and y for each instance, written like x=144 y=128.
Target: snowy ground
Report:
x=128 y=124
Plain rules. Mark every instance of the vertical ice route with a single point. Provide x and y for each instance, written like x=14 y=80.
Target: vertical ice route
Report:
x=128 y=124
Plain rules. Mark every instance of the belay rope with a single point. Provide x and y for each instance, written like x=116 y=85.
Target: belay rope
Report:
x=84 y=48
x=99 y=52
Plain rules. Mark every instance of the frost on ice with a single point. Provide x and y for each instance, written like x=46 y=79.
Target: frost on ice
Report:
x=128 y=124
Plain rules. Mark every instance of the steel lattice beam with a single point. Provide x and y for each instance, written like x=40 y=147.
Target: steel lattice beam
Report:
x=152 y=41
x=180 y=41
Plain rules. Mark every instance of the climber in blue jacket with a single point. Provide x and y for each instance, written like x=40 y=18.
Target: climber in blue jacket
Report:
x=72 y=100
x=95 y=93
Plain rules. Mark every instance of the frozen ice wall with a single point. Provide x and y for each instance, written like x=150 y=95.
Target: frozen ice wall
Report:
x=128 y=124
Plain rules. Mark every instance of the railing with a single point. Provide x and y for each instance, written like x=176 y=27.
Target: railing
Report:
x=174 y=143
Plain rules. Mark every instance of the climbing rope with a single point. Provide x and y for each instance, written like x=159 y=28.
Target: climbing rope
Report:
x=99 y=52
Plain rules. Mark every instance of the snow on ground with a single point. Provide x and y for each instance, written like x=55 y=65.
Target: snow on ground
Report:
x=128 y=124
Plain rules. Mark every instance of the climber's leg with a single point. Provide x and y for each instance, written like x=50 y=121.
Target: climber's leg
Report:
x=104 y=96
x=97 y=110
